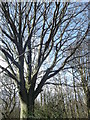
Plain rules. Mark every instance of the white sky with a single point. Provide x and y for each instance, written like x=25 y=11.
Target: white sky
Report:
x=2 y=62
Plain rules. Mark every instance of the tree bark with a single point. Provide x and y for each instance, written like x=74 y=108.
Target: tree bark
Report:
x=88 y=102
x=23 y=110
x=26 y=106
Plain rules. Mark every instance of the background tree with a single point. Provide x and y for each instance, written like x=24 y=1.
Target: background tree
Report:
x=35 y=39
x=80 y=73
x=8 y=96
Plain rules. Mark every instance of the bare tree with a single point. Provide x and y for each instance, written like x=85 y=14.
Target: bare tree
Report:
x=81 y=72
x=35 y=39
x=8 y=97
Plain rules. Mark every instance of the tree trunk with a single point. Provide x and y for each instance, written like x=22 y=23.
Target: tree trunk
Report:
x=23 y=109
x=26 y=106
x=88 y=102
